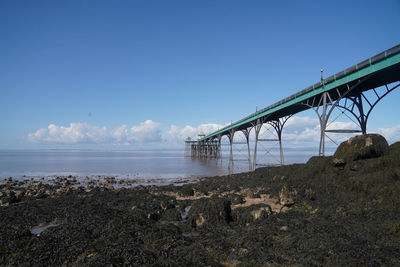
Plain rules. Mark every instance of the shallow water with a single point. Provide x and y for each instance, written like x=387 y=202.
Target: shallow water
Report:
x=39 y=230
x=162 y=164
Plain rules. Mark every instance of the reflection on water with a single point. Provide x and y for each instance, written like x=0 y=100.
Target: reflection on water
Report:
x=39 y=230
x=127 y=164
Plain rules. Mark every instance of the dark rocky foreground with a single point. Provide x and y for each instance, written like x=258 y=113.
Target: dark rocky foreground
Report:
x=326 y=212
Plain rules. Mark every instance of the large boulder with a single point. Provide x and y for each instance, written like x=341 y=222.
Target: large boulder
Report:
x=361 y=147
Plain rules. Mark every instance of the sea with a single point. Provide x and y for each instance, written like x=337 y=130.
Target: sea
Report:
x=137 y=164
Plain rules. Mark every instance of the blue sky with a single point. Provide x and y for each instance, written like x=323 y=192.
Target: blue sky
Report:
x=129 y=73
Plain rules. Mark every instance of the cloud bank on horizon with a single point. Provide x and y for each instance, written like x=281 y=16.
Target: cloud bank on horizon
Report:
x=81 y=133
x=298 y=132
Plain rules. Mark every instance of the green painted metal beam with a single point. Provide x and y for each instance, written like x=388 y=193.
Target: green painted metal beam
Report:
x=359 y=72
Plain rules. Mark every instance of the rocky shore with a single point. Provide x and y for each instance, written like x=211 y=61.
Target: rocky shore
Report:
x=17 y=190
x=341 y=210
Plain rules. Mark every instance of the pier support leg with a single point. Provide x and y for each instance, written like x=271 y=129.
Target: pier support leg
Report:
x=323 y=119
x=230 y=136
x=257 y=127
x=278 y=126
x=363 y=117
x=230 y=163
x=219 y=153
x=246 y=133
x=324 y=101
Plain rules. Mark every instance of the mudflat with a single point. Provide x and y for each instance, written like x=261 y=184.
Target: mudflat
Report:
x=324 y=212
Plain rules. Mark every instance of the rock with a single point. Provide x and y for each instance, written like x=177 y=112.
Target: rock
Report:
x=59 y=191
x=339 y=162
x=309 y=194
x=210 y=211
x=248 y=193
x=4 y=202
x=284 y=228
x=153 y=216
x=200 y=220
x=235 y=199
x=394 y=150
x=259 y=212
x=9 y=199
x=186 y=191
x=109 y=187
x=286 y=197
x=19 y=194
x=316 y=160
x=110 y=180
x=360 y=147
x=40 y=194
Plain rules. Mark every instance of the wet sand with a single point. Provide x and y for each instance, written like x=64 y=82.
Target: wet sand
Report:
x=319 y=213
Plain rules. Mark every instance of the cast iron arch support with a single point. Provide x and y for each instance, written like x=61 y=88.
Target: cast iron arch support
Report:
x=359 y=103
x=230 y=136
x=324 y=101
x=278 y=126
x=219 y=154
x=246 y=133
x=257 y=127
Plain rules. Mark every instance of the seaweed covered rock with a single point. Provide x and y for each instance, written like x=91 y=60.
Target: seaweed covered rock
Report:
x=286 y=197
x=210 y=211
x=394 y=149
x=361 y=147
x=244 y=215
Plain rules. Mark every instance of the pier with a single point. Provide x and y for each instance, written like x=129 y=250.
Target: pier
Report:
x=355 y=91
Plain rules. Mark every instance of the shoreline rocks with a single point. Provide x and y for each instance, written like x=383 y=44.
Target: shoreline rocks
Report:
x=312 y=214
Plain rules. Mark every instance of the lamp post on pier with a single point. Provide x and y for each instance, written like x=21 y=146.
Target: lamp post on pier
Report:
x=322 y=71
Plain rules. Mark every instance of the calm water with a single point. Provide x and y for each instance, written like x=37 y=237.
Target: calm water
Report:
x=126 y=164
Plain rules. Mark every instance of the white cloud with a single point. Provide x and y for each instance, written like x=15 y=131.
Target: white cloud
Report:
x=147 y=131
x=120 y=134
x=298 y=132
x=296 y=122
x=178 y=134
x=76 y=133
x=391 y=134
